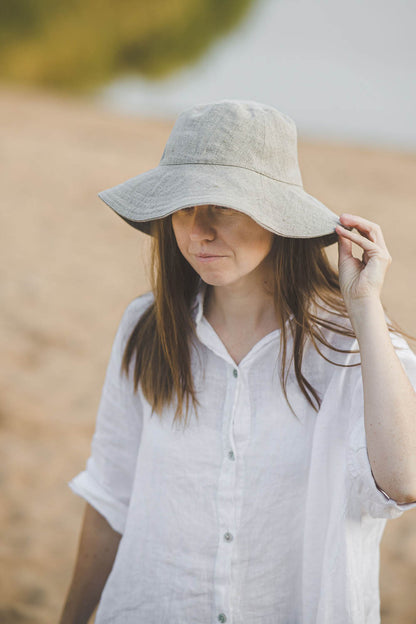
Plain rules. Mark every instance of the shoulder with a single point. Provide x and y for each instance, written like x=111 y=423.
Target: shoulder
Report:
x=137 y=307
x=132 y=314
x=336 y=331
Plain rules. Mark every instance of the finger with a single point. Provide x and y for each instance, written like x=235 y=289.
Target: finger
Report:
x=367 y=228
x=365 y=244
x=364 y=226
x=344 y=249
x=358 y=238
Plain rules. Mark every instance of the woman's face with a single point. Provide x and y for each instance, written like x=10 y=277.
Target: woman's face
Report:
x=222 y=245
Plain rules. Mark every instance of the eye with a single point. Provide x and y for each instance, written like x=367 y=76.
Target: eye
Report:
x=223 y=209
x=186 y=210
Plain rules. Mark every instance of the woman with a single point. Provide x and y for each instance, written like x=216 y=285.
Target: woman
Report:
x=257 y=424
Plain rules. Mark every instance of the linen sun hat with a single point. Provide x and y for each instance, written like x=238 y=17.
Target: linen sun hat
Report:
x=239 y=154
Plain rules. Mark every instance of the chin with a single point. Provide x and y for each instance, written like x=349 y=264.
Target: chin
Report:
x=215 y=280
x=214 y=276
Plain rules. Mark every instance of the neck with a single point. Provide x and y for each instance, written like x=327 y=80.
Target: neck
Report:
x=244 y=304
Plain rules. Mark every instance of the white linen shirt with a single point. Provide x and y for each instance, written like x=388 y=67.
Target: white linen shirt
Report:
x=249 y=515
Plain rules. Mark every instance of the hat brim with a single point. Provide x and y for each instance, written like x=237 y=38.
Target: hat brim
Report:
x=284 y=209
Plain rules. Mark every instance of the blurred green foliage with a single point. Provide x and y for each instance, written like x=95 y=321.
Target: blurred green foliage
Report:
x=77 y=45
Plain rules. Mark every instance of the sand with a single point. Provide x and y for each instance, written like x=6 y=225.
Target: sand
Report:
x=69 y=268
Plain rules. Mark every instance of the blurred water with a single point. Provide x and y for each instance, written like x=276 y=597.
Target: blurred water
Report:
x=343 y=70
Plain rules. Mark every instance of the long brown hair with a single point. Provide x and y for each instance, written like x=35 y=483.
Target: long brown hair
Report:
x=161 y=339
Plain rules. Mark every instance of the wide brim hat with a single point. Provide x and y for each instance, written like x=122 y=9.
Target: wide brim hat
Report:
x=233 y=153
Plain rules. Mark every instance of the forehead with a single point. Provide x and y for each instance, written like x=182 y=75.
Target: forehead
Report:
x=213 y=211
x=208 y=207
x=221 y=215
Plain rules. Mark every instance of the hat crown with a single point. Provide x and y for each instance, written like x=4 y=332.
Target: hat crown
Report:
x=236 y=133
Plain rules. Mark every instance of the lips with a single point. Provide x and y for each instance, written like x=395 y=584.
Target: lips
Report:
x=207 y=257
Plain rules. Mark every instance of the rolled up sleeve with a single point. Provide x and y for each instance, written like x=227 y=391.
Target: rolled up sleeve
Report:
x=107 y=481
x=373 y=500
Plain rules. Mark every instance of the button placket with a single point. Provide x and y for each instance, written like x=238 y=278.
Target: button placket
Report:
x=226 y=505
x=231 y=454
x=240 y=424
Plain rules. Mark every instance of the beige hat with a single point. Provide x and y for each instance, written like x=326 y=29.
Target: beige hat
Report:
x=233 y=153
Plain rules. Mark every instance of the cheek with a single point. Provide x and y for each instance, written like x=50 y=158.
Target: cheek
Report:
x=265 y=240
x=180 y=235
x=256 y=246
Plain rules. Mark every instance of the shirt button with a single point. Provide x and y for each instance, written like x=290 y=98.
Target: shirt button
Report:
x=228 y=537
x=235 y=372
x=231 y=454
x=222 y=618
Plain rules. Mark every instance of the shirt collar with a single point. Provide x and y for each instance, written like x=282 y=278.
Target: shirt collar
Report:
x=210 y=338
x=198 y=306
x=203 y=329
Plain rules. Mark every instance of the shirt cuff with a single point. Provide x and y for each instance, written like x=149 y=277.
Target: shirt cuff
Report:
x=113 y=511
x=374 y=501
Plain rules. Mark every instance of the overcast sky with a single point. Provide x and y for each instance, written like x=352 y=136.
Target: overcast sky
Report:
x=341 y=69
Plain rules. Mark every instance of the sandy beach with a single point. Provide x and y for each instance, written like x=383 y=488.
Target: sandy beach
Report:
x=69 y=268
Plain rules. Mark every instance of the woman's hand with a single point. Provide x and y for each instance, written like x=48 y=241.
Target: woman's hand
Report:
x=361 y=280
x=389 y=397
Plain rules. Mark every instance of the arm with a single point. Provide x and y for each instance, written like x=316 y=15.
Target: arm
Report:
x=107 y=482
x=389 y=406
x=97 y=549
x=389 y=398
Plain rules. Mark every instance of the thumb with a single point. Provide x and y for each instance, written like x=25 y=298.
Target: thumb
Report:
x=344 y=249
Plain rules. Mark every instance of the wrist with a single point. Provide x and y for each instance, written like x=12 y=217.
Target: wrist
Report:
x=365 y=315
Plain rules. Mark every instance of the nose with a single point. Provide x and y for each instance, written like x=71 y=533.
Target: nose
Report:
x=201 y=226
